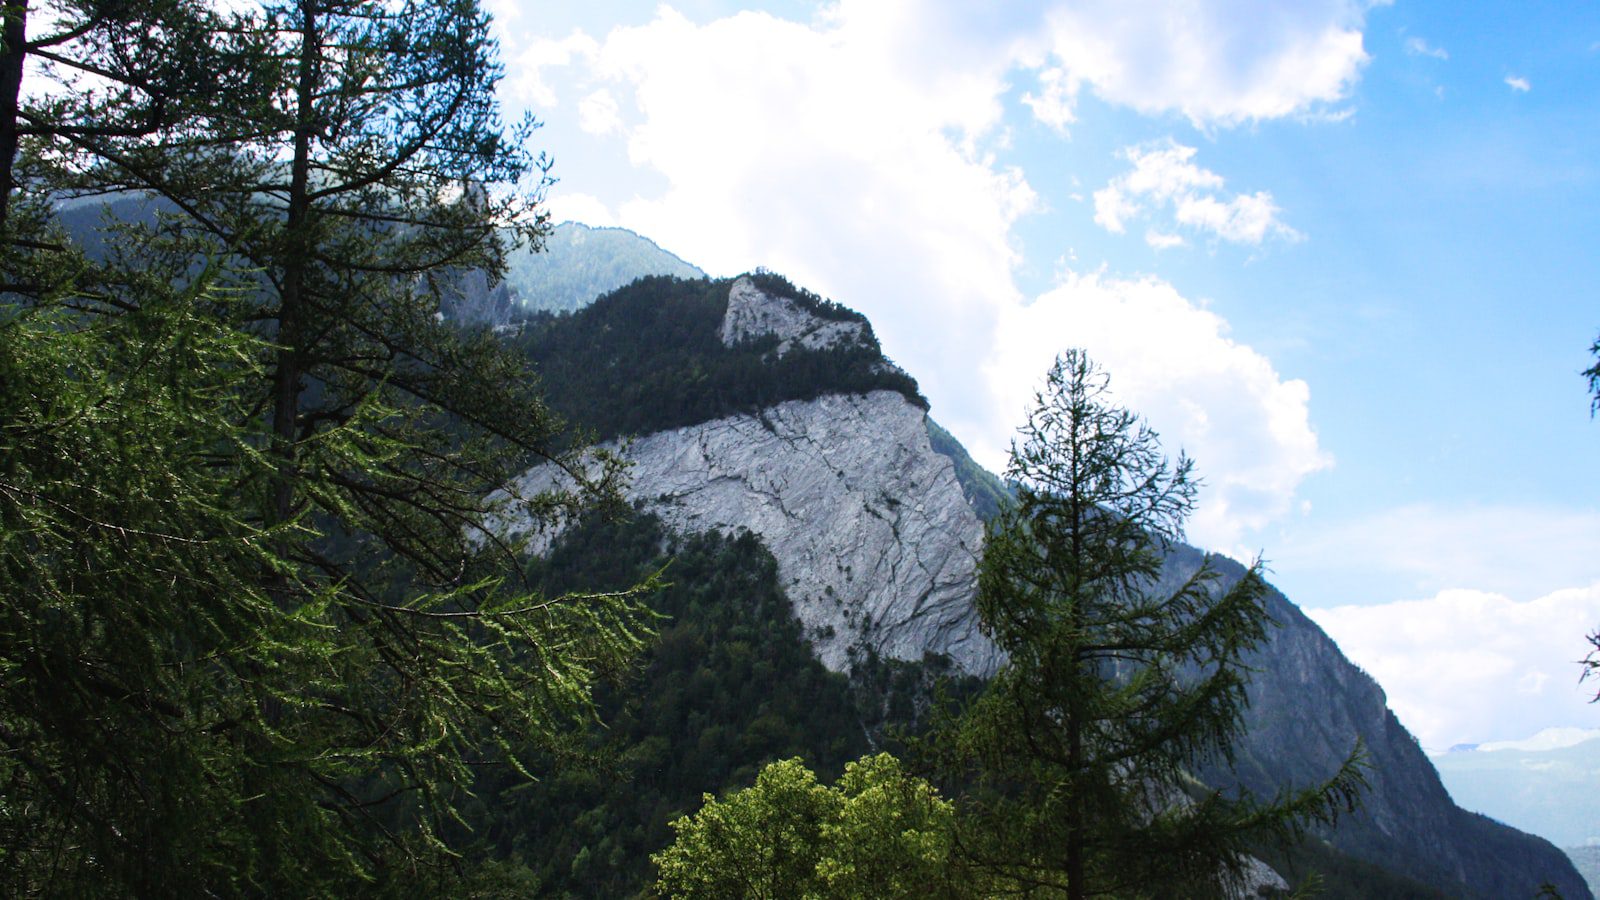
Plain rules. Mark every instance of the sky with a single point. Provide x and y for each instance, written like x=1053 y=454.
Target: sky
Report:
x=1341 y=253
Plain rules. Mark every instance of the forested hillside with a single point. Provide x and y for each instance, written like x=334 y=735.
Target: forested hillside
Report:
x=729 y=685
x=648 y=358
x=578 y=263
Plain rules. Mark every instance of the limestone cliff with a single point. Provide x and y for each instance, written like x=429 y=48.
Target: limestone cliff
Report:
x=875 y=542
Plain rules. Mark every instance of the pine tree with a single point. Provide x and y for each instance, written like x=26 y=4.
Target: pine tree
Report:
x=1117 y=685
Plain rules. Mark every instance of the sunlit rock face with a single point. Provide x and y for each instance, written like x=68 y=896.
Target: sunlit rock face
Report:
x=753 y=313
x=875 y=542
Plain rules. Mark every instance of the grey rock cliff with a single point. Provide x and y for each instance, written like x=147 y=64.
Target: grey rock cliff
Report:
x=752 y=313
x=875 y=543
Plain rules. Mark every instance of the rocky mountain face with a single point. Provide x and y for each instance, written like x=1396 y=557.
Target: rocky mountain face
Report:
x=876 y=540
x=876 y=546
x=1308 y=707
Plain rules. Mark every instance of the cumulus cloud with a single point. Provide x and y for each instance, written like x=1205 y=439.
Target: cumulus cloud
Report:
x=1518 y=83
x=568 y=206
x=1466 y=666
x=1171 y=361
x=1165 y=178
x=1216 y=62
x=597 y=113
x=525 y=84
x=858 y=153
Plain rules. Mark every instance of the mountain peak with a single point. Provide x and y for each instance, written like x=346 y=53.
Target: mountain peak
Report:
x=754 y=313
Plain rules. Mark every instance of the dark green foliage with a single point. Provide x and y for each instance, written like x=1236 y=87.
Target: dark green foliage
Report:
x=579 y=263
x=1117 y=688
x=255 y=640
x=729 y=686
x=119 y=696
x=647 y=358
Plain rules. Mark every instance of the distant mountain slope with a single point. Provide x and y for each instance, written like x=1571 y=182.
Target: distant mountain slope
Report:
x=579 y=263
x=1553 y=792
x=1587 y=859
x=575 y=265
x=1308 y=704
x=734 y=444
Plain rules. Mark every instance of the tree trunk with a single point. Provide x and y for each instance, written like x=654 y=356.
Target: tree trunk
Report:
x=295 y=257
x=13 y=53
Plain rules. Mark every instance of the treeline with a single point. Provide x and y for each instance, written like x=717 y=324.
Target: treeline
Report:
x=648 y=358
x=729 y=685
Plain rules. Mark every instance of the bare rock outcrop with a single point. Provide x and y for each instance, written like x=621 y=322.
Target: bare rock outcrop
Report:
x=875 y=542
x=753 y=313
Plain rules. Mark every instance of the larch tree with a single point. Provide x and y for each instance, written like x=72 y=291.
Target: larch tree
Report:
x=299 y=641
x=1118 y=684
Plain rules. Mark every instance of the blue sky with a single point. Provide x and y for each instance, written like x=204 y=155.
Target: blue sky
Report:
x=1339 y=252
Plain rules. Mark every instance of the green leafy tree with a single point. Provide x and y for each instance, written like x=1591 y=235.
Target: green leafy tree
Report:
x=1118 y=683
x=879 y=833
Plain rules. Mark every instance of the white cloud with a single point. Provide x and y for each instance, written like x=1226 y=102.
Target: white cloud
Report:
x=1172 y=362
x=525 y=84
x=597 y=113
x=1518 y=83
x=579 y=207
x=1162 y=240
x=1216 y=62
x=1522 y=551
x=825 y=153
x=857 y=154
x=1418 y=47
x=1470 y=666
x=1164 y=176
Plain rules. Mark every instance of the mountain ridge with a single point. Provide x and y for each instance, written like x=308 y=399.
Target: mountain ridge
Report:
x=1305 y=715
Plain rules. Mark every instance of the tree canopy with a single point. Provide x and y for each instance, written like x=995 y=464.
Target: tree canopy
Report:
x=255 y=638
x=880 y=833
x=1119 y=683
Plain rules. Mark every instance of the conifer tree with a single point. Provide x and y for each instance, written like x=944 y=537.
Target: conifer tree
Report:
x=1118 y=684
x=293 y=641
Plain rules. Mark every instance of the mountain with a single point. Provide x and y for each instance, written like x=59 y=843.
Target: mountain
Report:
x=760 y=411
x=1545 y=785
x=579 y=263
x=1587 y=859
x=575 y=264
